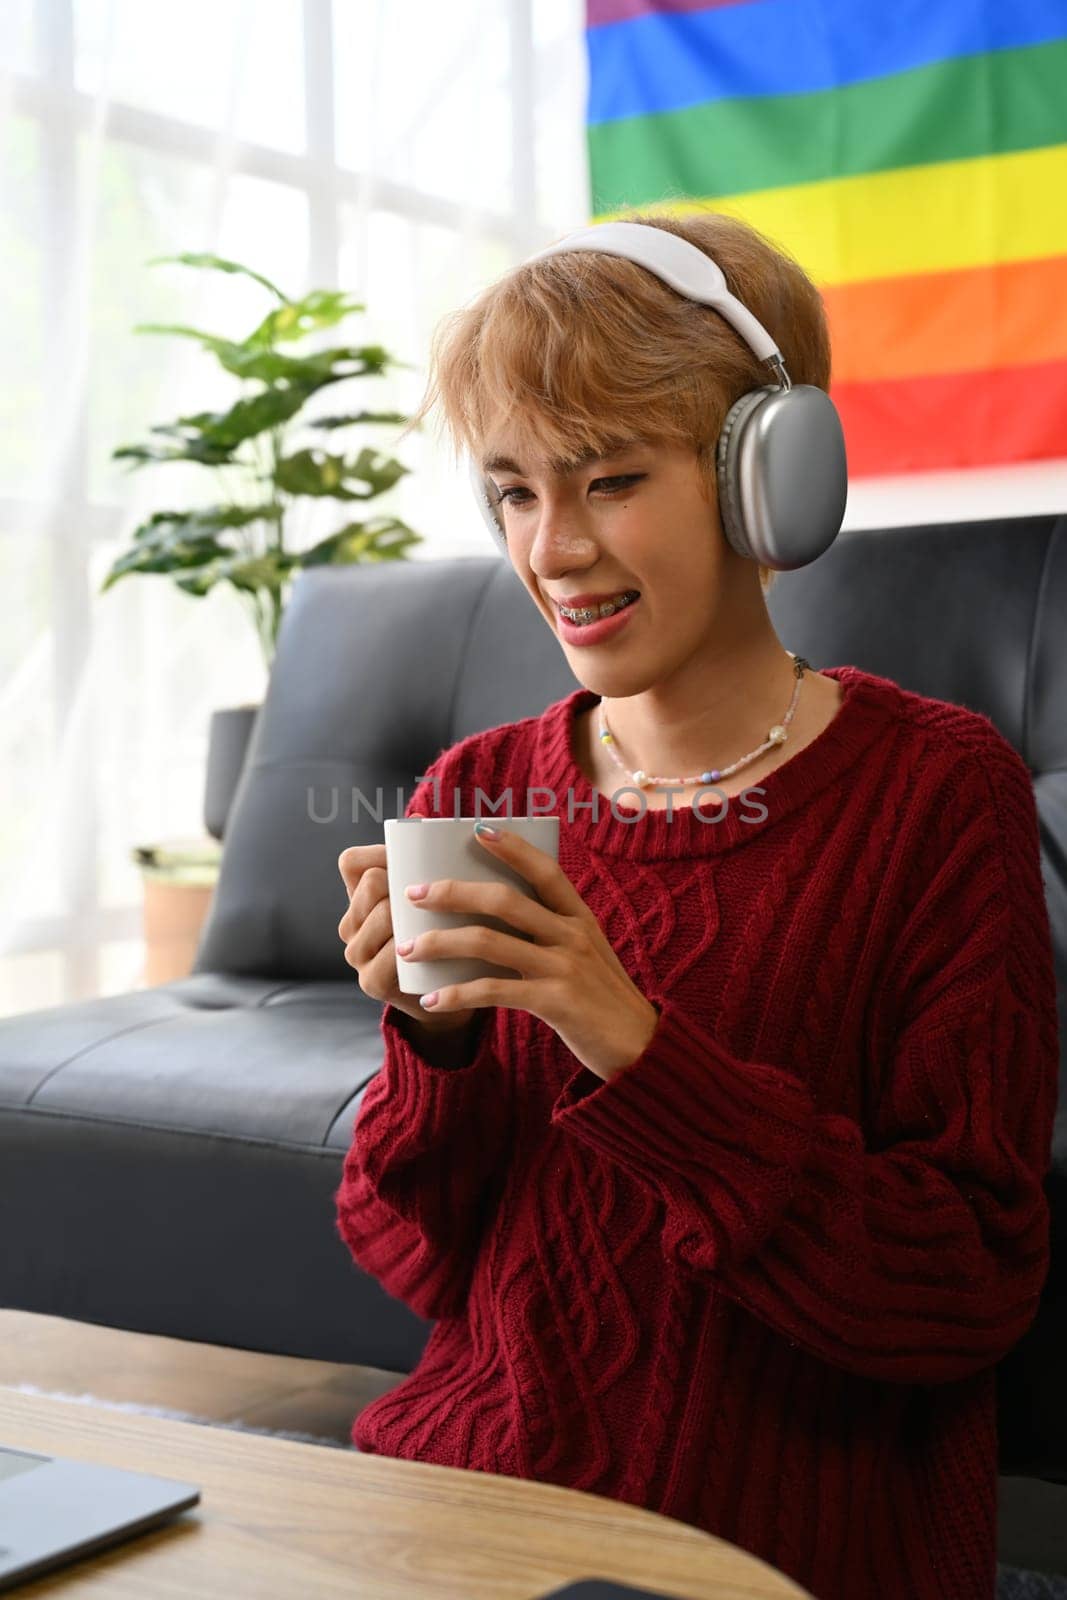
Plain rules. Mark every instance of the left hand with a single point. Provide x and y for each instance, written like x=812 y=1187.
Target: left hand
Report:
x=571 y=977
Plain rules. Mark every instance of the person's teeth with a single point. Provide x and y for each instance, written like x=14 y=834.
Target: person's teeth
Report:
x=606 y=608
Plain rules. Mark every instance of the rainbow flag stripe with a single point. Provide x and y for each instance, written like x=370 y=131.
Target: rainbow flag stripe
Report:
x=913 y=158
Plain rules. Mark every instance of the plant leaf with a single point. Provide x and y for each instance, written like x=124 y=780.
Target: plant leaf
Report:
x=180 y=328
x=245 y=418
x=357 y=416
x=178 y=526
x=204 y=258
x=211 y=437
x=172 y=541
x=152 y=557
x=250 y=573
x=316 y=370
x=316 y=472
x=269 y=366
x=250 y=361
x=322 y=308
x=380 y=539
x=200 y=450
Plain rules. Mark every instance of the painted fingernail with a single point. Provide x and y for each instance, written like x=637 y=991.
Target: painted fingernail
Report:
x=428 y=1000
x=405 y=947
x=486 y=831
x=415 y=891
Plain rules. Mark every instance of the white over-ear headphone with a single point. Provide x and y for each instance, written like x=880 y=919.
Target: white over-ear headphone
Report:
x=780 y=459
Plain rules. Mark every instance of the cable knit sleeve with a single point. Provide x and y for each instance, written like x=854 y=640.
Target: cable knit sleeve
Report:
x=913 y=1250
x=428 y=1145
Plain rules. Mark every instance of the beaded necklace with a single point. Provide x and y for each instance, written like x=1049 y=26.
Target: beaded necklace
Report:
x=775 y=736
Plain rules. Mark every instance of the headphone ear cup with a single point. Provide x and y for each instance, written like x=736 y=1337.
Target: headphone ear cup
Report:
x=782 y=475
x=482 y=494
x=727 y=468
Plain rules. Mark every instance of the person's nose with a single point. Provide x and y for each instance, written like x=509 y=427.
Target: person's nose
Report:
x=561 y=537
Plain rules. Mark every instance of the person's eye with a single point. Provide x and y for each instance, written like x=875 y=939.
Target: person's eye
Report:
x=621 y=484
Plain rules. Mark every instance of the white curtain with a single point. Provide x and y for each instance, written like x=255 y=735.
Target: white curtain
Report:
x=406 y=151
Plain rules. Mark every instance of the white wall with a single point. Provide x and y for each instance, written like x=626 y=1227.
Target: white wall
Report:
x=981 y=494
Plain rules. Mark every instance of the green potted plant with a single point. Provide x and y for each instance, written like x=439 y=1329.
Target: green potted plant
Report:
x=241 y=538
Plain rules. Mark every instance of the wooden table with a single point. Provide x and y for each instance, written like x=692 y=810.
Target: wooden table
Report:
x=278 y=1518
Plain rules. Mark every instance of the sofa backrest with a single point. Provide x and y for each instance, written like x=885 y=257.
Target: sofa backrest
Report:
x=381 y=667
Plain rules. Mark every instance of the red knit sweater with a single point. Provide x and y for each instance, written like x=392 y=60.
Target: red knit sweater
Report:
x=760 y=1280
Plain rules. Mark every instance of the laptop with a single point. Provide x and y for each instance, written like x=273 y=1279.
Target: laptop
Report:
x=53 y=1510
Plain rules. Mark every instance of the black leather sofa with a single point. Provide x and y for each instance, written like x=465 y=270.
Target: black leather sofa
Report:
x=168 y=1157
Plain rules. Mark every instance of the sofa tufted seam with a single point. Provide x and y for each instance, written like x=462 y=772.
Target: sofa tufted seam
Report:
x=152 y=1022
x=270 y=994
x=170 y=1127
x=347 y=1102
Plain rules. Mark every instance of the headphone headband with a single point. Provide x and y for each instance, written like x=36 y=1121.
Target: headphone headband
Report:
x=681 y=265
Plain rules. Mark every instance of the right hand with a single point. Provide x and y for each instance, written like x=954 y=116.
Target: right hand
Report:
x=367 y=931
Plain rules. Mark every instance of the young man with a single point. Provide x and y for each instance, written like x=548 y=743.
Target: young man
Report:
x=731 y=1204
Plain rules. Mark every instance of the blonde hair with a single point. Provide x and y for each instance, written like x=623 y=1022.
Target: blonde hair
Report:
x=588 y=350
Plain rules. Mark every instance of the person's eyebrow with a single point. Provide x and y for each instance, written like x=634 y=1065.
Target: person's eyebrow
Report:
x=562 y=469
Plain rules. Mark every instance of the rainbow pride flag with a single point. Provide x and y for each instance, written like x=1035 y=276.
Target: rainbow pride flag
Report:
x=912 y=157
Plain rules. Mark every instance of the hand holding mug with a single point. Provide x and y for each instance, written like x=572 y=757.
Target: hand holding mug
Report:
x=570 y=977
x=367 y=932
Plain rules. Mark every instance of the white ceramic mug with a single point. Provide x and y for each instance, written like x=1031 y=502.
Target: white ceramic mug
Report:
x=427 y=849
